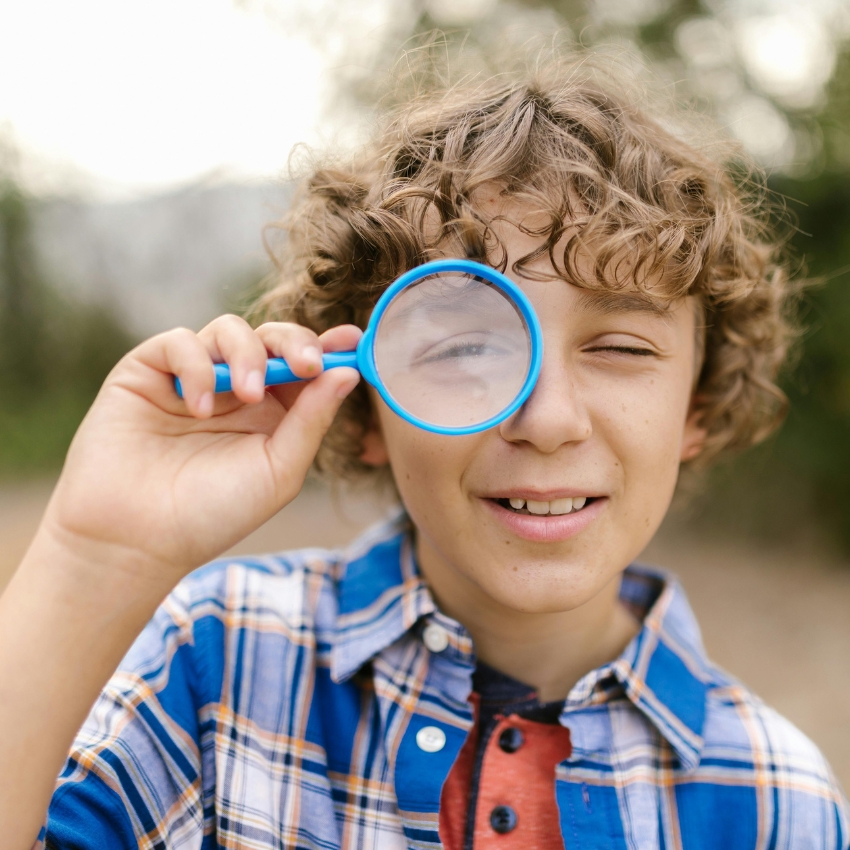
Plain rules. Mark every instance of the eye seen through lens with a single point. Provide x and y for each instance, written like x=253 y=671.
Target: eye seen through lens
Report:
x=453 y=350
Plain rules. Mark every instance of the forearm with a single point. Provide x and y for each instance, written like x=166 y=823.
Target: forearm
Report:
x=66 y=621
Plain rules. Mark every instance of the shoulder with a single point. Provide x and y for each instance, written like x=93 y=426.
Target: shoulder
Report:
x=291 y=596
x=744 y=771
x=737 y=734
x=738 y=724
x=193 y=645
x=294 y=588
x=749 y=745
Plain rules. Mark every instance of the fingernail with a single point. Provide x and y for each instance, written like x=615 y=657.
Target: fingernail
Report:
x=205 y=404
x=313 y=357
x=255 y=382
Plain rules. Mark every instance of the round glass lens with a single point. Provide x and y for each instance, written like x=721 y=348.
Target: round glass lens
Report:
x=452 y=350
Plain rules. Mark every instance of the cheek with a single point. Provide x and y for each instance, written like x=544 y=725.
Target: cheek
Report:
x=643 y=427
x=428 y=468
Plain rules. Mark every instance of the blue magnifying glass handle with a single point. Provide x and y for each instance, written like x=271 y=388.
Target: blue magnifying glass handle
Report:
x=278 y=371
x=452 y=346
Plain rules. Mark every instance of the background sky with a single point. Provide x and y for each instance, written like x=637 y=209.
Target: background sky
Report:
x=128 y=96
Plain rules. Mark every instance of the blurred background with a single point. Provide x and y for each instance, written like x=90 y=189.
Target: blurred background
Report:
x=143 y=147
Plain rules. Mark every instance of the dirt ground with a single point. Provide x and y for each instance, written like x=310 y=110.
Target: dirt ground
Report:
x=776 y=619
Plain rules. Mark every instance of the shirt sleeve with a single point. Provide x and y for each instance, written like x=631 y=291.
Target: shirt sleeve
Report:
x=134 y=777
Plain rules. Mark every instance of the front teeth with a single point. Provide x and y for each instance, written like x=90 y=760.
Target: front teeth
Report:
x=557 y=507
x=560 y=506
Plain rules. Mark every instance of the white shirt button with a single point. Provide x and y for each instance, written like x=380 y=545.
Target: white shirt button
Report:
x=435 y=637
x=431 y=739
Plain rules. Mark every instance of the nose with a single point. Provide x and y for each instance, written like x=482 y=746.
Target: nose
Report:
x=554 y=414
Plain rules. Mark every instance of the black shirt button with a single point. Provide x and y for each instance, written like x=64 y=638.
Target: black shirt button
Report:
x=503 y=819
x=511 y=739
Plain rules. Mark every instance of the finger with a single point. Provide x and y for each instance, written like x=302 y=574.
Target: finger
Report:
x=341 y=338
x=232 y=340
x=180 y=352
x=297 y=345
x=296 y=441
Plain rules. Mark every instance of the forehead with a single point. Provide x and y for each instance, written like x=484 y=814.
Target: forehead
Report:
x=521 y=233
x=606 y=303
x=521 y=241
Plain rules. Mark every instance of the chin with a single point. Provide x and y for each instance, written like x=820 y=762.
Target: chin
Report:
x=543 y=589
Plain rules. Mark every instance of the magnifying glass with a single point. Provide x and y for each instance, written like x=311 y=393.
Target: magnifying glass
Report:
x=452 y=346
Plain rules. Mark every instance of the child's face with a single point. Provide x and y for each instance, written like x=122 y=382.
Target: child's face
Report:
x=609 y=420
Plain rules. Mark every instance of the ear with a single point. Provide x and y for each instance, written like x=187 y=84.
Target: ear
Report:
x=694 y=435
x=374 y=451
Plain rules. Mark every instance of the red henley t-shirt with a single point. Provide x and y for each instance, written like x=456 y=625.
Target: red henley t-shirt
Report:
x=500 y=794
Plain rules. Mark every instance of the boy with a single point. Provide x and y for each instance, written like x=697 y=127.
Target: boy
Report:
x=486 y=670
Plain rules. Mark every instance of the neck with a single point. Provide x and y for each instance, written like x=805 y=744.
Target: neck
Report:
x=548 y=651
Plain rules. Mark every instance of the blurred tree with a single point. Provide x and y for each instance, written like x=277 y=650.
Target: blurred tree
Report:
x=812 y=451
x=54 y=354
x=21 y=301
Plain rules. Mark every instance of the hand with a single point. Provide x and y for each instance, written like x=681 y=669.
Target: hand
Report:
x=171 y=483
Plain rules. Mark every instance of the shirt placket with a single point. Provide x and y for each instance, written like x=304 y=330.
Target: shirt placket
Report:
x=422 y=684
x=586 y=783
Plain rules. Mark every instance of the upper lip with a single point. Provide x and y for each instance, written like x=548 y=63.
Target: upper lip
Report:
x=535 y=495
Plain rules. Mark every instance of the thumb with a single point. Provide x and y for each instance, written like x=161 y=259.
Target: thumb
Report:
x=295 y=442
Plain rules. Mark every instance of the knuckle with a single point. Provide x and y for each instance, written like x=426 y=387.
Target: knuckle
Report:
x=221 y=327
x=232 y=322
x=180 y=335
x=184 y=346
x=240 y=338
x=281 y=329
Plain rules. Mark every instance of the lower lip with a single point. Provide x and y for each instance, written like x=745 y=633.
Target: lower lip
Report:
x=546 y=529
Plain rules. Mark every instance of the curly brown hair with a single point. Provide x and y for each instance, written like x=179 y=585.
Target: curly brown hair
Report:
x=655 y=213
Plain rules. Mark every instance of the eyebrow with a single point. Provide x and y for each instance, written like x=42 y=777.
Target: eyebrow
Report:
x=609 y=303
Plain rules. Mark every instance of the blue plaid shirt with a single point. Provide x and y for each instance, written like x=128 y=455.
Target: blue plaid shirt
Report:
x=275 y=702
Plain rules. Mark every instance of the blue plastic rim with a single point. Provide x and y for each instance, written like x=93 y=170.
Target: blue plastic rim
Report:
x=366 y=346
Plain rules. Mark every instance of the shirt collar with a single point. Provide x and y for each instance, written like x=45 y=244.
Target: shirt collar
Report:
x=381 y=596
x=664 y=670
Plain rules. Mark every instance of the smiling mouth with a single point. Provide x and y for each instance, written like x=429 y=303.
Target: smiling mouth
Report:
x=556 y=507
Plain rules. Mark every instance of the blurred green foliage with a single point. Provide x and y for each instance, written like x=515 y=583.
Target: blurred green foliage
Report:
x=54 y=353
x=801 y=476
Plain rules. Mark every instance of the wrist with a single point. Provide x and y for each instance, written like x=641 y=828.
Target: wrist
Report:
x=102 y=579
